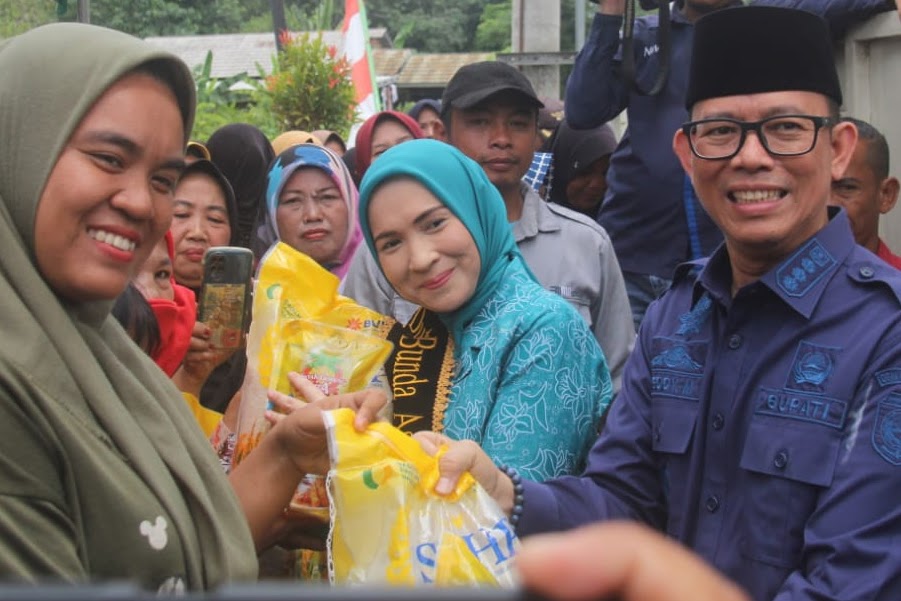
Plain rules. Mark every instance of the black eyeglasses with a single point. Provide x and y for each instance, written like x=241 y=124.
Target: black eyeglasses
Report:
x=783 y=135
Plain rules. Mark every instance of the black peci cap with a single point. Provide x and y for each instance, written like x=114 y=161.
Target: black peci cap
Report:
x=755 y=49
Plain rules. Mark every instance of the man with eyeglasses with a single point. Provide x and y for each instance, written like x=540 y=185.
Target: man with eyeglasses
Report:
x=759 y=420
x=650 y=210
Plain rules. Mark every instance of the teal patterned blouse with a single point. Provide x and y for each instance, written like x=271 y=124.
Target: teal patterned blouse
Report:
x=530 y=382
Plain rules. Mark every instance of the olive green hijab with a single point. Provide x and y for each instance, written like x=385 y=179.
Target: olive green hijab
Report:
x=75 y=360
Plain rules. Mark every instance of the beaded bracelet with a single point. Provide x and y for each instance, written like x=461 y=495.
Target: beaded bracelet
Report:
x=516 y=479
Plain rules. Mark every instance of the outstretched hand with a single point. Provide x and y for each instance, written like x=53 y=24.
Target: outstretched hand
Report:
x=626 y=560
x=297 y=445
x=298 y=425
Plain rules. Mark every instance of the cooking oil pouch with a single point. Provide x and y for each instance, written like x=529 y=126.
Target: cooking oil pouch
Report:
x=291 y=286
x=390 y=528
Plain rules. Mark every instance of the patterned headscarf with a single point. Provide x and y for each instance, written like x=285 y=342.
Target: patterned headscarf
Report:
x=312 y=155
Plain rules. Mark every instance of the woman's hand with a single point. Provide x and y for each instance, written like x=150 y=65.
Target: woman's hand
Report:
x=466 y=456
x=297 y=445
x=200 y=361
x=300 y=429
x=624 y=560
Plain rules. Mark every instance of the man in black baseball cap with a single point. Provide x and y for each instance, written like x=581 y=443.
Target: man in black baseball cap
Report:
x=490 y=112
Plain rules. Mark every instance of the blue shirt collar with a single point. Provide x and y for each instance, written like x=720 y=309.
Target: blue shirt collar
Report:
x=799 y=280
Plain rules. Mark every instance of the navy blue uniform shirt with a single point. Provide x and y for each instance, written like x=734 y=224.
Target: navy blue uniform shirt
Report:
x=762 y=431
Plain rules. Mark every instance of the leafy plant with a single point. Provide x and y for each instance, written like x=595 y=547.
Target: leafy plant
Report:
x=222 y=90
x=235 y=99
x=310 y=86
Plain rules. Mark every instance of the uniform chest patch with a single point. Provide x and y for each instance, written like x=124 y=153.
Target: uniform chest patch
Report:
x=677 y=367
x=812 y=368
x=800 y=273
x=887 y=430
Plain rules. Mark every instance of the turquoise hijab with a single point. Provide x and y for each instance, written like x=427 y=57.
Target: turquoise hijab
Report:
x=462 y=186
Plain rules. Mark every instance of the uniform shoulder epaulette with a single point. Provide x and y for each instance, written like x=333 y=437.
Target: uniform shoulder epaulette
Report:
x=876 y=273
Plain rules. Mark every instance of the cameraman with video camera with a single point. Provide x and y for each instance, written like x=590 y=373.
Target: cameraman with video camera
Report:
x=650 y=210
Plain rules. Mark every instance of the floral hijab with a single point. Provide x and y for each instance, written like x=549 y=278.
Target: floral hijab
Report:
x=314 y=155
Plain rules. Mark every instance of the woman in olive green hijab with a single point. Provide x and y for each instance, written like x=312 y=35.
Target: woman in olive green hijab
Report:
x=103 y=473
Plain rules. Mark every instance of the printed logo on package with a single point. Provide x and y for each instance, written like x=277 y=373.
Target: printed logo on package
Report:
x=812 y=368
x=800 y=273
x=887 y=430
x=677 y=367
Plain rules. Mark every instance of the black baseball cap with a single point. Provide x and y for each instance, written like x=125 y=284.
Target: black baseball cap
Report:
x=473 y=83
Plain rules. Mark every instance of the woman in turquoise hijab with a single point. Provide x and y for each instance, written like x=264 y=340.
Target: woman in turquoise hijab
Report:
x=530 y=382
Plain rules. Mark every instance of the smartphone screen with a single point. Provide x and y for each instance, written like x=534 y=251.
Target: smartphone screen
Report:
x=225 y=295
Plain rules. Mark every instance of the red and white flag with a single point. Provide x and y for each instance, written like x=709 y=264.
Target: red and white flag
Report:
x=356 y=48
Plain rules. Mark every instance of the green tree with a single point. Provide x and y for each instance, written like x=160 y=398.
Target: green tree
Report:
x=301 y=15
x=145 y=18
x=18 y=17
x=494 y=32
x=310 y=87
x=428 y=25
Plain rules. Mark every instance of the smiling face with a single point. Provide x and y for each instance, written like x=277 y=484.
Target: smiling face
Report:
x=200 y=222
x=108 y=199
x=312 y=215
x=499 y=134
x=765 y=205
x=154 y=277
x=425 y=251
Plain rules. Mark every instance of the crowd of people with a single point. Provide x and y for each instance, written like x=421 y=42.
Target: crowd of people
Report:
x=665 y=366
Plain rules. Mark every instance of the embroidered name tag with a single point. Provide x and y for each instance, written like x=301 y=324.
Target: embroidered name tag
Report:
x=887 y=430
x=889 y=377
x=792 y=405
x=799 y=274
x=677 y=368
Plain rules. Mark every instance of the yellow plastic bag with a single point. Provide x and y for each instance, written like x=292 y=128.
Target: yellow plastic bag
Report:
x=389 y=527
x=291 y=286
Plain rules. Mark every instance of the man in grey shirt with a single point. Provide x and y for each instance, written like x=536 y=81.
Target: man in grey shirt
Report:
x=490 y=111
